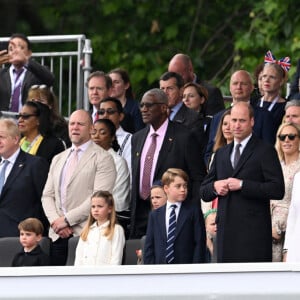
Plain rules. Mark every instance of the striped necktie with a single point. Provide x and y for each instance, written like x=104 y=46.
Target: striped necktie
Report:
x=171 y=235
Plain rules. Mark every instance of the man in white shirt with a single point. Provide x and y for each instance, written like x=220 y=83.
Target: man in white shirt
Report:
x=99 y=85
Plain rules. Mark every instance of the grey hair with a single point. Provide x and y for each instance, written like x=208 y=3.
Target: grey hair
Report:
x=291 y=103
x=159 y=95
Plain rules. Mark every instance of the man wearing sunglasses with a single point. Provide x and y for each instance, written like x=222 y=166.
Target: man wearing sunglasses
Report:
x=23 y=72
x=161 y=145
x=111 y=108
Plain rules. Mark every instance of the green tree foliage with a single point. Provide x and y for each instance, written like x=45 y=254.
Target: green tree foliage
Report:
x=141 y=35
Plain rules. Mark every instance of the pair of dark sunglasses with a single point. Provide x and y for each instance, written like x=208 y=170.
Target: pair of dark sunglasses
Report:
x=25 y=116
x=109 y=111
x=290 y=136
x=149 y=104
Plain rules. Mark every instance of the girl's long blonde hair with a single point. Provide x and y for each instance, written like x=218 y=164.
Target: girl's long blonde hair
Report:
x=109 y=200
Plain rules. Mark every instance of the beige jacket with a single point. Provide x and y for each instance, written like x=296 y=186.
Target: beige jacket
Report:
x=95 y=171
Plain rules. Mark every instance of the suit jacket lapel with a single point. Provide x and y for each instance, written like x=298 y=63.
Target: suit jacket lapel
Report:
x=165 y=147
x=140 y=144
x=161 y=219
x=16 y=169
x=181 y=219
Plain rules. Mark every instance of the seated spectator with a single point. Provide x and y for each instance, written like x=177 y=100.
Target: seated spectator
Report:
x=31 y=233
x=44 y=94
x=34 y=125
x=122 y=90
x=287 y=146
x=23 y=72
x=102 y=240
x=104 y=135
x=211 y=233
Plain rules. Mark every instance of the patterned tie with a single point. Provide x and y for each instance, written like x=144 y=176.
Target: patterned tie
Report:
x=2 y=174
x=237 y=155
x=17 y=91
x=73 y=161
x=69 y=170
x=96 y=116
x=171 y=235
x=146 y=179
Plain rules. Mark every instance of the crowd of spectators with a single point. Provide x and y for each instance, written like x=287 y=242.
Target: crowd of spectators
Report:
x=176 y=168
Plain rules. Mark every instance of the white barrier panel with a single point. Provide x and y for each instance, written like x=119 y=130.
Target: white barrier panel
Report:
x=209 y=281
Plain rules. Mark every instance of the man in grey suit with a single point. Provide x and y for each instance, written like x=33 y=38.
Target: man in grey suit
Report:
x=66 y=201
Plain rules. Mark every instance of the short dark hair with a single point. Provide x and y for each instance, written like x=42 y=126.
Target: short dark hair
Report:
x=22 y=37
x=116 y=101
x=32 y=225
x=168 y=75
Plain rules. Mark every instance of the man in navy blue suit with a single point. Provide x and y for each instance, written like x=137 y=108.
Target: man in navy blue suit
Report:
x=241 y=87
x=180 y=239
x=24 y=180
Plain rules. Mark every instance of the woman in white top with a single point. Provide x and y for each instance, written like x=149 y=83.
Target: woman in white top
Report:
x=102 y=240
x=287 y=146
x=104 y=135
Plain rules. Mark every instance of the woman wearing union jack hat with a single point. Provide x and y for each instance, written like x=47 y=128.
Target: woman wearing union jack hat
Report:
x=273 y=78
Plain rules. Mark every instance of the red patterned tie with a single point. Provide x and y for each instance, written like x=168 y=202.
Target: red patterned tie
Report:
x=146 y=179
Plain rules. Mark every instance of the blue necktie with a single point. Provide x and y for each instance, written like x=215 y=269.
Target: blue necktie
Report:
x=2 y=174
x=171 y=235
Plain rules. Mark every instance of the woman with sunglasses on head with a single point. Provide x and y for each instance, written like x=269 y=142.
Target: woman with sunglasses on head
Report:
x=287 y=146
x=35 y=127
x=45 y=95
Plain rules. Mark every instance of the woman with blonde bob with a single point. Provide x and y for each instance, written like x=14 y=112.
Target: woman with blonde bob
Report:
x=287 y=146
x=102 y=240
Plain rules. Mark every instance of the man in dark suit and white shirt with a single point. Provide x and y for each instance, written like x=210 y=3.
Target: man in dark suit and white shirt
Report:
x=244 y=175
x=21 y=74
x=22 y=184
x=176 y=147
